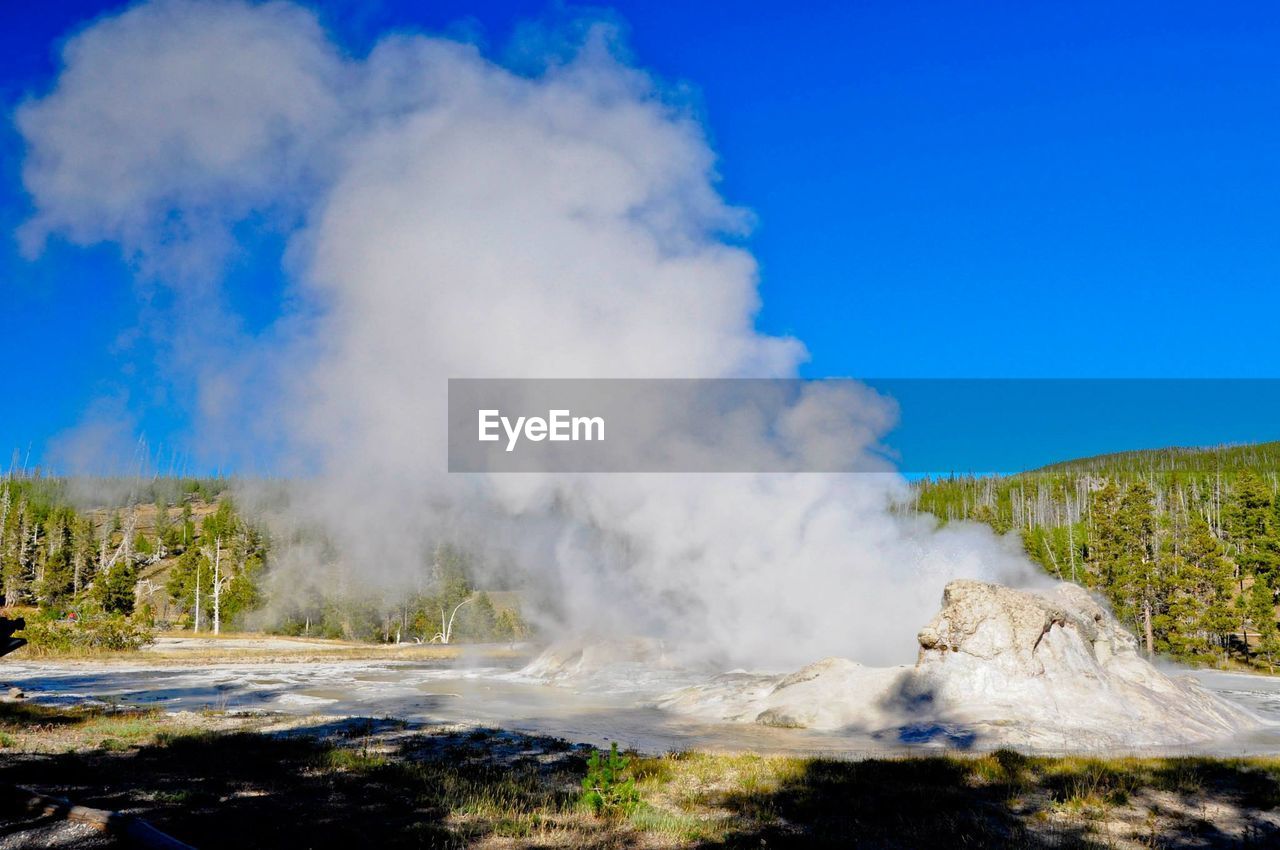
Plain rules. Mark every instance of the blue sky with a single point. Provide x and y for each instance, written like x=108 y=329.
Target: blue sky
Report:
x=942 y=190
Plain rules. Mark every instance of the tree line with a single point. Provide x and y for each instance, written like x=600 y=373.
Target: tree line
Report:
x=1185 y=544
x=188 y=559
x=88 y=570
x=443 y=604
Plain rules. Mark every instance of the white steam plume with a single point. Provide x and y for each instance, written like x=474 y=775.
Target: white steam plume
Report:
x=449 y=217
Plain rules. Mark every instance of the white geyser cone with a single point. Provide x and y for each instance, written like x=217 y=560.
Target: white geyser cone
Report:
x=997 y=666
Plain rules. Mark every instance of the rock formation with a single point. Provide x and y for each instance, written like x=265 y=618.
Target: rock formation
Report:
x=996 y=667
x=1055 y=669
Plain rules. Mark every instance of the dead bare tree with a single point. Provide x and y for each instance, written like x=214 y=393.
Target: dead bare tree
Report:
x=4 y=518
x=124 y=551
x=217 y=585
x=445 y=635
x=195 y=625
x=219 y=581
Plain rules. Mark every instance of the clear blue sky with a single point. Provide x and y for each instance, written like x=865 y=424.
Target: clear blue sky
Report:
x=943 y=189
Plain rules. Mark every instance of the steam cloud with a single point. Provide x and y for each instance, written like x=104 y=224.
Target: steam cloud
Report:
x=446 y=215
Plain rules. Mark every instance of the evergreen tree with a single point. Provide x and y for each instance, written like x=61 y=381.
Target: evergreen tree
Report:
x=115 y=588
x=191 y=578
x=1125 y=523
x=243 y=593
x=14 y=557
x=186 y=531
x=509 y=626
x=1247 y=519
x=164 y=527
x=477 y=620
x=57 y=584
x=82 y=547
x=1200 y=617
x=1261 y=612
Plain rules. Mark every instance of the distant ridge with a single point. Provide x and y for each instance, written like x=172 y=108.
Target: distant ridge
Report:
x=1227 y=458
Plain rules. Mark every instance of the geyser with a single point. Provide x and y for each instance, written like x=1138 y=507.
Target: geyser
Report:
x=997 y=667
x=444 y=215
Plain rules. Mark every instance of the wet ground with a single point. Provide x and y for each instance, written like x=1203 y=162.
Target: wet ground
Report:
x=416 y=692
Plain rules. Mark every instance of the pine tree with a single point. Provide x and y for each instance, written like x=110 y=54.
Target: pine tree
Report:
x=57 y=581
x=13 y=558
x=1199 y=612
x=164 y=527
x=82 y=546
x=1247 y=519
x=186 y=532
x=190 y=585
x=1124 y=529
x=114 y=589
x=1261 y=611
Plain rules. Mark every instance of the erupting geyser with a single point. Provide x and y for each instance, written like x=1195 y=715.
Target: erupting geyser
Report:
x=446 y=216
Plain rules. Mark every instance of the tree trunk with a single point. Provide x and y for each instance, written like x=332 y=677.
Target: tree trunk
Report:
x=1146 y=627
x=195 y=627
x=217 y=586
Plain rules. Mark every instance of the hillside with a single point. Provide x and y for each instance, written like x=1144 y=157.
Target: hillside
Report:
x=1176 y=461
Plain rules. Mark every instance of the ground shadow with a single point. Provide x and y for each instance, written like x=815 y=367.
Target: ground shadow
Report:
x=378 y=782
x=884 y=803
x=1000 y=800
x=300 y=789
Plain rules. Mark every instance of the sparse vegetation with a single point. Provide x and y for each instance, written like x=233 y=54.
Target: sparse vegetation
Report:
x=95 y=633
x=242 y=781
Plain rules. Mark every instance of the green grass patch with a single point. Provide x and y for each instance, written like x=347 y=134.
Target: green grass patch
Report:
x=346 y=758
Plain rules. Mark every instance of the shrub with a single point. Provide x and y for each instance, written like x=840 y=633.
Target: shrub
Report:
x=608 y=789
x=91 y=633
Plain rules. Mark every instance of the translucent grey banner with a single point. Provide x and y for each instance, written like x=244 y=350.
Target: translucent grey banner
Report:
x=914 y=426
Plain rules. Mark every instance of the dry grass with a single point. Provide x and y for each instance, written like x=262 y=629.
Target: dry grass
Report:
x=29 y=728
x=351 y=652
x=234 y=647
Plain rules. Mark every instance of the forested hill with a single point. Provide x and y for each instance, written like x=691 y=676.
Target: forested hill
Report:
x=1176 y=461
x=1185 y=542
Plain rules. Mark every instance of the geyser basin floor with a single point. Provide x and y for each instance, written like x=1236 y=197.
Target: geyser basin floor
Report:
x=416 y=692
x=495 y=696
